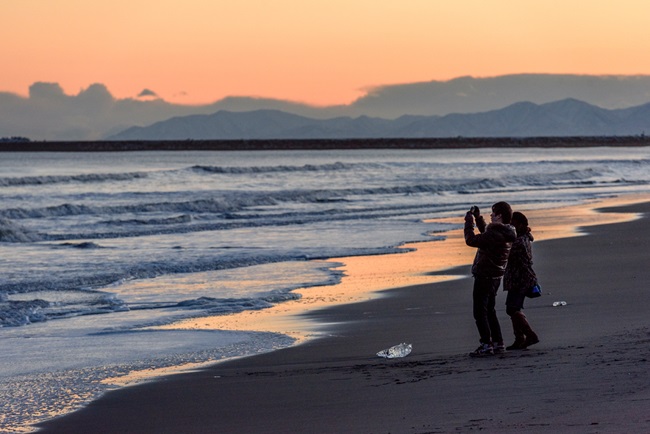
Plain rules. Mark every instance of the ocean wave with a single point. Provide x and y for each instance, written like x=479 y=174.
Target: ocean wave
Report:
x=52 y=299
x=222 y=306
x=18 y=313
x=252 y=208
x=181 y=219
x=231 y=202
x=83 y=245
x=11 y=232
x=64 y=179
x=148 y=268
x=273 y=169
x=20 y=309
x=597 y=161
x=218 y=205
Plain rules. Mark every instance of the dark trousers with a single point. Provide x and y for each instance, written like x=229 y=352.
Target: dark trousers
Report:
x=484 y=295
x=514 y=302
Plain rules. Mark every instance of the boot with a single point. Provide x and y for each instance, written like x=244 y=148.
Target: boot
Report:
x=531 y=336
x=520 y=337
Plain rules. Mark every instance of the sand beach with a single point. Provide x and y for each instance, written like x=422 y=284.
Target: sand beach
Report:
x=589 y=373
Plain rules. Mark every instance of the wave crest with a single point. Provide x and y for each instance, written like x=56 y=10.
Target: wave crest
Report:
x=11 y=232
x=65 y=179
x=273 y=169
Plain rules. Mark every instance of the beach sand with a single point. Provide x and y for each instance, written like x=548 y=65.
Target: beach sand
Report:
x=589 y=374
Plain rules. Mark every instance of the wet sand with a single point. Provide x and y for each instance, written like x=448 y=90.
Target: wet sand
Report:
x=589 y=373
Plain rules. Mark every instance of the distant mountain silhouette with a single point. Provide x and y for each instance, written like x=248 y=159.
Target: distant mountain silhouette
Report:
x=49 y=113
x=569 y=117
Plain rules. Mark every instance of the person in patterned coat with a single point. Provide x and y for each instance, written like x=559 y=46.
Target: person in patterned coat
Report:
x=518 y=279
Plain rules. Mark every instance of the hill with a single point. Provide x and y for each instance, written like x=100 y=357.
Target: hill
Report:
x=569 y=117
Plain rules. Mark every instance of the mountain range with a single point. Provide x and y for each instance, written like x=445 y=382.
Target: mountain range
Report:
x=94 y=113
x=568 y=117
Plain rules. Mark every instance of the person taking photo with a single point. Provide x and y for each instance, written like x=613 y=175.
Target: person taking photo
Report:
x=493 y=243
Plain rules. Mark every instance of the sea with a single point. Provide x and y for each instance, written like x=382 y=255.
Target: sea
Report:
x=96 y=249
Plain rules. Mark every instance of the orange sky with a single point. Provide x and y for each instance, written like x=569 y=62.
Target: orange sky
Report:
x=321 y=52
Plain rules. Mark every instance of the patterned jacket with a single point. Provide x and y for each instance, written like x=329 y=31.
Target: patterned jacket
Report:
x=519 y=275
x=493 y=242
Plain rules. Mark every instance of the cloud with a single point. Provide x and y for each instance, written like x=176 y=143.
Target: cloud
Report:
x=147 y=93
x=471 y=95
x=50 y=114
x=45 y=91
x=94 y=113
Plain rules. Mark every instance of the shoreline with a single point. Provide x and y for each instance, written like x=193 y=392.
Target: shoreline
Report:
x=317 y=312
x=325 y=144
x=427 y=262
x=367 y=277
x=589 y=373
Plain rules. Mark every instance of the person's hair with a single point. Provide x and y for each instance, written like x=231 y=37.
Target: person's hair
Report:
x=520 y=222
x=504 y=210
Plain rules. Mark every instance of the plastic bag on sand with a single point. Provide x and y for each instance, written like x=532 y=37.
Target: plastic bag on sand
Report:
x=400 y=350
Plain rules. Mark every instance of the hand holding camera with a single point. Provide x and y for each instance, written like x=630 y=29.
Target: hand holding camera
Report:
x=475 y=211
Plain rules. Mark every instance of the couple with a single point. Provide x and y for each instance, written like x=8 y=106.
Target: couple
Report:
x=504 y=251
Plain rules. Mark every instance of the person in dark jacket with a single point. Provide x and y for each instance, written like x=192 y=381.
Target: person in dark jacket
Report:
x=493 y=242
x=518 y=280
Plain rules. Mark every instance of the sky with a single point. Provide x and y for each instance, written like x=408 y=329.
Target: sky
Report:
x=319 y=52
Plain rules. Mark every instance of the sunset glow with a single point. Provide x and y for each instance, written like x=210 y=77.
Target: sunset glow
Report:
x=322 y=52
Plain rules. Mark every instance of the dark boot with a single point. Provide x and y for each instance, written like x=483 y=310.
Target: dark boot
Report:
x=531 y=336
x=520 y=337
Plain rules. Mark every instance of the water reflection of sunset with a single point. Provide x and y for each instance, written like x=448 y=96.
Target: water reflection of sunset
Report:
x=366 y=276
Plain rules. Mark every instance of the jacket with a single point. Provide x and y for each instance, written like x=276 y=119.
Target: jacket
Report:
x=519 y=275
x=493 y=242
